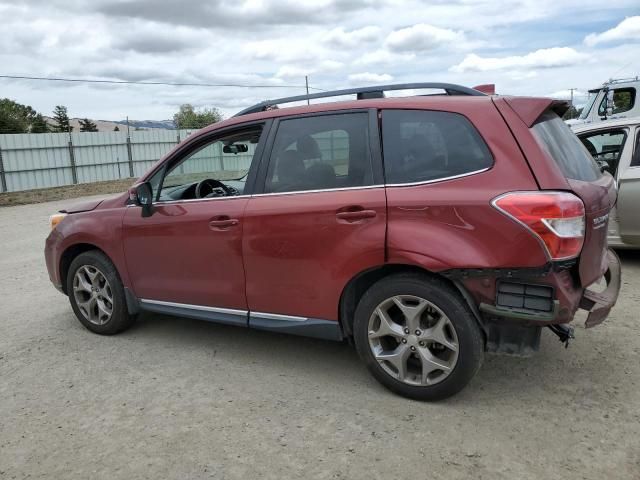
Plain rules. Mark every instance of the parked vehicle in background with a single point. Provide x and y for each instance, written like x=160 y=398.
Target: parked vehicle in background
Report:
x=615 y=145
x=615 y=99
x=427 y=229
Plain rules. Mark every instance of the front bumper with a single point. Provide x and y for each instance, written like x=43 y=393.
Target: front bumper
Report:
x=599 y=304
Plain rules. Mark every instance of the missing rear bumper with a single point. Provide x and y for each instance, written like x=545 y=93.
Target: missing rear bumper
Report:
x=599 y=304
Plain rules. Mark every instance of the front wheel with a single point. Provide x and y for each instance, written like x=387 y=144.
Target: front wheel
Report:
x=417 y=336
x=96 y=294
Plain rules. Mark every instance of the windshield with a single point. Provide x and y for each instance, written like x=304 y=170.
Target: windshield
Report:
x=565 y=148
x=587 y=108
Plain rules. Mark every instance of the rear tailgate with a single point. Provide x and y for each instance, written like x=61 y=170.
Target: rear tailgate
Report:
x=543 y=136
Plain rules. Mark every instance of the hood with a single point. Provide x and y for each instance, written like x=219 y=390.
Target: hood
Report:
x=88 y=205
x=85 y=206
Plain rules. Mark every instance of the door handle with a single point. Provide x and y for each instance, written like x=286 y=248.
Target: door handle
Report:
x=223 y=222
x=353 y=216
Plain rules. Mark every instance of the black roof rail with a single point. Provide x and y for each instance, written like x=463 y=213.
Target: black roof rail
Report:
x=363 y=93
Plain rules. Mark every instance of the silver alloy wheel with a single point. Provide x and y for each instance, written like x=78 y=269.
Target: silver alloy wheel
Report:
x=413 y=340
x=93 y=295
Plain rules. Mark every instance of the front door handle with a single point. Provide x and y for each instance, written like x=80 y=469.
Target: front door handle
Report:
x=355 y=215
x=223 y=222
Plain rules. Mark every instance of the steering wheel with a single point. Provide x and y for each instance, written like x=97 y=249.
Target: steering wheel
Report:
x=205 y=188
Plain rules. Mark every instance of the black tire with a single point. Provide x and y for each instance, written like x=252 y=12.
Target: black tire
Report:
x=120 y=318
x=470 y=340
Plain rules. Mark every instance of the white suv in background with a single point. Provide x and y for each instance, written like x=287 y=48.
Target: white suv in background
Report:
x=615 y=145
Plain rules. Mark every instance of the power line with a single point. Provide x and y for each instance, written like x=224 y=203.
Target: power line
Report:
x=170 y=84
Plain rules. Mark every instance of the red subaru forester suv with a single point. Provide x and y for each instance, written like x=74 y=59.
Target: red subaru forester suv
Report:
x=426 y=229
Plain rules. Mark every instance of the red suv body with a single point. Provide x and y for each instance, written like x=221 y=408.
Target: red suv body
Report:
x=427 y=229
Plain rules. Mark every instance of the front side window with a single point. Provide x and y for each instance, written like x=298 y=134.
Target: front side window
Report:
x=605 y=147
x=623 y=100
x=424 y=145
x=319 y=153
x=215 y=169
x=587 y=108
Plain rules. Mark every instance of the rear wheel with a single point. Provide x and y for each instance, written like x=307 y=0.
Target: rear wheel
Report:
x=418 y=337
x=96 y=294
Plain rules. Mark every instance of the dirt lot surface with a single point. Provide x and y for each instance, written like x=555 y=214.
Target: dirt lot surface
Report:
x=182 y=399
x=62 y=193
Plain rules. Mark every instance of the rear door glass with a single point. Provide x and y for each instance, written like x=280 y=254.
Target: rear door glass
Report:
x=557 y=139
x=605 y=147
x=422 y=145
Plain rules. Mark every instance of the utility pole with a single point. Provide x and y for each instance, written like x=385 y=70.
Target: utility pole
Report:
x=306 y=82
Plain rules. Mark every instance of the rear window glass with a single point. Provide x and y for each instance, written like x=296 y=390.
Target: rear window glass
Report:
x=565 y=148
x=424 y=145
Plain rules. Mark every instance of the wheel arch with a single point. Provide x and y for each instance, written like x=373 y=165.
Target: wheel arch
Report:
x=72 y=252
x=361 y=282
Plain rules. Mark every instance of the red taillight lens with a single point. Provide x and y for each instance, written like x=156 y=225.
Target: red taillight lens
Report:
x=557 y=218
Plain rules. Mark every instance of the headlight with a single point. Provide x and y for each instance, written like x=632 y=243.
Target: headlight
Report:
x=55 y=219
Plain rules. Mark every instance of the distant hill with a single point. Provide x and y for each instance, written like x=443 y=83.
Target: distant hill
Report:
x=108 y=125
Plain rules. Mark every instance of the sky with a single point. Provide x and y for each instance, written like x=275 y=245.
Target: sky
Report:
x=525 y=47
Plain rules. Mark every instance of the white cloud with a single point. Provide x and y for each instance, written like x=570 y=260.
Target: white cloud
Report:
x=543 y=58
x=291 y=71
x=383 y=57
x=627 y=29
x=367 y=77
x=341 y=38
x=421 y=38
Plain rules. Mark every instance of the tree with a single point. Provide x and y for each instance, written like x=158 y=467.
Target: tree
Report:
x=15 y=117
x=39 y=125
x=572 y=112
x=116 y=128
x=87 y=125
x=189 y=117
x=62 y=119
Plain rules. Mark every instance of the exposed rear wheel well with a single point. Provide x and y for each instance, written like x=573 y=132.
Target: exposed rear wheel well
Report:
x=68 y=256
x=358 y=285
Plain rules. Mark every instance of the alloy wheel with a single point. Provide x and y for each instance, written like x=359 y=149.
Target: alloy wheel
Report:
x=413 y=340
x=93 y=295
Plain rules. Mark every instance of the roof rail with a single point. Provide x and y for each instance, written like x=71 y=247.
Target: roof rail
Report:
x=363 y=93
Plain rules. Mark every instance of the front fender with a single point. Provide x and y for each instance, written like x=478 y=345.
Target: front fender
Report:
x=99 y=228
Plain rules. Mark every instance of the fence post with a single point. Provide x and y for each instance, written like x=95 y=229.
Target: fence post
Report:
x=129 y=153
x=72 y=159
x=3 y=178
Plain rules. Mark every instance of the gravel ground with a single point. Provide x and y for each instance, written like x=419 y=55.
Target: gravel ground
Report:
x=181 y=399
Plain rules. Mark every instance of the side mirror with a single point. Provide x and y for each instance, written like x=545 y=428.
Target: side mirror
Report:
x=609 y=104
x=144 y=198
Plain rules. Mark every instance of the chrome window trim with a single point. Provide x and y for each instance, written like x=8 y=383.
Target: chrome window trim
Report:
x=299 y=192
x=202 y=308
x=277 y=316
x=436 y=180
x=319 y=190
x=189 y=200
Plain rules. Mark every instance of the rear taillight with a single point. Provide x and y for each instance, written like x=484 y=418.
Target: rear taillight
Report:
x=556 y=218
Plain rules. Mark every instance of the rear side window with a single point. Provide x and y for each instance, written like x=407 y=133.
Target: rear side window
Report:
x=565 y=148
x=320 y=153
x=424 y=145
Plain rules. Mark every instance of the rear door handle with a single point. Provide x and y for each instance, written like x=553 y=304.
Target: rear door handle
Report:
x=223 y=222
x=356 y=215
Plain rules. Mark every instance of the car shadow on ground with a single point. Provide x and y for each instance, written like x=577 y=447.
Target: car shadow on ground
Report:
x=337 y=363
x=629 y=257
